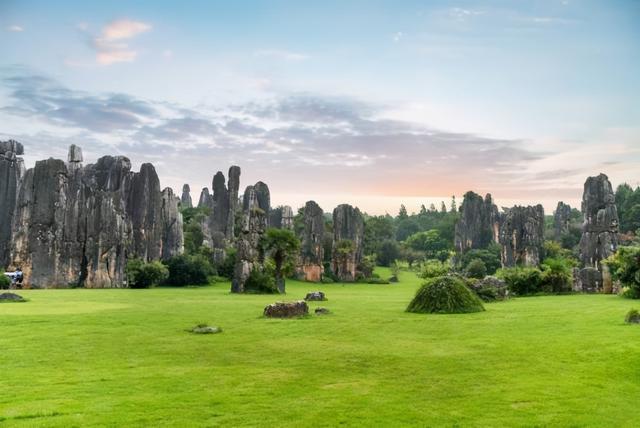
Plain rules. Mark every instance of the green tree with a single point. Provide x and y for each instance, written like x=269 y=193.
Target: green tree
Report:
x=489 y=256
x=402 y=214
x=189 y=270
x=388 y=253
x=282 y=245
x=624 y=266
x=556 y=275
x=429 y=242
x=377 y=229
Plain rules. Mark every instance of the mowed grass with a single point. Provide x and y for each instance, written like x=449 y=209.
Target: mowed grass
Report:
x=124 y=358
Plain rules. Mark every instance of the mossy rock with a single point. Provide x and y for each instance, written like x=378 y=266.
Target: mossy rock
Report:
x=445 y=295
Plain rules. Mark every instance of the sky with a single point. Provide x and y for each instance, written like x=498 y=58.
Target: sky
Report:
x=372 y=103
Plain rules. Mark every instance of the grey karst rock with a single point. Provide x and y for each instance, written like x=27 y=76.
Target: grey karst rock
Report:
x=206 y=329
x=479 y=223
x=286 y=309
x=316 y=296
x=561 y=220
x=287 y=217
x=11 y=173
x=281 y=217
x=172 y=234
x=144 y=207
x=79 y=225
x=185 y=200
x=234 y=187
x=254 y=225
x=322 y=311
x=74 y=158
x=225 y=205
x=522 y=236
x=348 y=237
x=599 y=232
x=311 y=249
x=206 y=200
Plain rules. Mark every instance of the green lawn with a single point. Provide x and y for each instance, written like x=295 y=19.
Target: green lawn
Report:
x=123 y=358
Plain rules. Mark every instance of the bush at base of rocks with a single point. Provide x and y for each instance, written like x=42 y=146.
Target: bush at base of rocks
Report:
x=286 y=309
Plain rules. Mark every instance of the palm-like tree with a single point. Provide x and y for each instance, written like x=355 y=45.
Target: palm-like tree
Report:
x=282 y=245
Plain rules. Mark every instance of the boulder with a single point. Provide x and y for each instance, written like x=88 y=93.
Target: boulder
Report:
x=11 y=174
x=286 y=309
x=322 y=311
x=315 y=296
x=206 y=329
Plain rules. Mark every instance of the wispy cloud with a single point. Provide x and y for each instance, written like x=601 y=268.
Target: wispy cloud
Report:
x=111 y=45
x=15 y=28
x=281 y=55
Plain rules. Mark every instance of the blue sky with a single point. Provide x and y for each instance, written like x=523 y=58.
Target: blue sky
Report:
x=371 y=103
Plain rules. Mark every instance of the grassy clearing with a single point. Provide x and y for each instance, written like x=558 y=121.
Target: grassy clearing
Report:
x=123 y=358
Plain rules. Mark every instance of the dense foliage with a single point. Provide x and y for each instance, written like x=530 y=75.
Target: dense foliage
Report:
x=445 y=295
x=5 y=282
x=490 y=256
x=624 y=266
x=145 y=275
x=628 y=203
x=189 y=270
x=261 y=281
x=522 y=280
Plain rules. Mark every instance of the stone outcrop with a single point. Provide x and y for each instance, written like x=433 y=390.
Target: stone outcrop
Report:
x=348 y=237
x=254 y=224
x=185 y=200
x=281 y=217
x=561 y=220
x=479 y=223
x=522 y=236
x=315 y=296
x=312 y=249
x=599 y=233
x=286 y=309
x=206 y=199
x=76 y=225
x=11 y=172
x=225 y=206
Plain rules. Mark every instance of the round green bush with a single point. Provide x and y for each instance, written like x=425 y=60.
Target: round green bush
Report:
x=445 y=295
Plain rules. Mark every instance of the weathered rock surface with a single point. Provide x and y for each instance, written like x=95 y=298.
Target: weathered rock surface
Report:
x=79 y=225
x=348 y=237
x=561 y=220
x=11 y=297
x=11 y=172
x=315 y=296
x=312 y=248
x=322 y=311
x=286 y=309
x=281 y=217
x=522 y=236
x=225 y=206
x=254 y=224
x=186 y=197
x=206 y=329
x=206 y=200
x=479 y=223
x=490 y=289
x=599 y=232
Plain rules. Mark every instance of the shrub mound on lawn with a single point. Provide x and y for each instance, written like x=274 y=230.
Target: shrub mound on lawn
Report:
x=445 y=295
x=632 y=317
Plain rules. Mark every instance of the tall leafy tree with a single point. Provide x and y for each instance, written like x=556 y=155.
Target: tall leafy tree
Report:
x=282 y=245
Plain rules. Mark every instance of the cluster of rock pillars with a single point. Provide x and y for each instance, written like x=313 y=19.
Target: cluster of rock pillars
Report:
x=69 y=224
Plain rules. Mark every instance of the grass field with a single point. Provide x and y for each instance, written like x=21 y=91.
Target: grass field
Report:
x=123 y=358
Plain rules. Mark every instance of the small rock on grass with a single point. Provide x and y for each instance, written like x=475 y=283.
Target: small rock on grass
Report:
x=11 y=297
x=206 y=329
